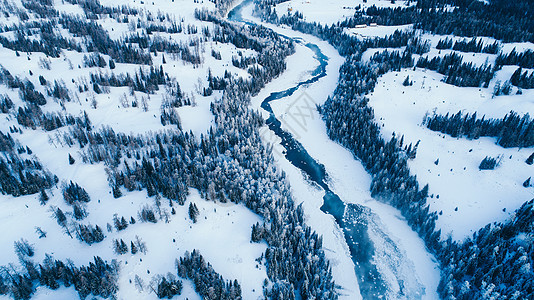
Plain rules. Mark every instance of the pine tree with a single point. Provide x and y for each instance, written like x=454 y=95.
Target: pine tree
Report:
x=43 y=197
x=530 y=159
x=407 y=81
x=193 y=212
x=71 y=160
x=257 y=232
x=116 y=191
x=133 y=248
x=60 y=217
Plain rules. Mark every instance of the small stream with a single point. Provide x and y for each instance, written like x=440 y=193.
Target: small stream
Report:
x=357 y=222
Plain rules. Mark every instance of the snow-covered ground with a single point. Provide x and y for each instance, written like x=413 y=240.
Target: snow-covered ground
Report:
x=328 y=12
x=348 y=179
x=222 y=233
x=468 y=198
x=377 y=30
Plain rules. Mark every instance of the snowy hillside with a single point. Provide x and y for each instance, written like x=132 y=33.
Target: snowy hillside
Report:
x=103 y=71
x=435 y=100
x=266 y=149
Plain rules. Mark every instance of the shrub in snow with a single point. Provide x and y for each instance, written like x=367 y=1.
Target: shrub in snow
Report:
x=193 y=212
x=488 y=163
x=168 y=288
x=73 y=192
x=146 y=214
x=23 y=248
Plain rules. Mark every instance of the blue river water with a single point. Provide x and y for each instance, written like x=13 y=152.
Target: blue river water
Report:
x=351 y=218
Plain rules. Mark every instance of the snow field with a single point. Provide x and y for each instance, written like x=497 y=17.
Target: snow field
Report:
x=489 y=195
x=327 y=12
x=222 y=233
x=348 y=178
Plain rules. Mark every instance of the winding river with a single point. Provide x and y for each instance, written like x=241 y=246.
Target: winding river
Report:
x=356 y=221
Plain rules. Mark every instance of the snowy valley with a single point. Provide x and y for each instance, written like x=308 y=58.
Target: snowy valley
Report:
x=266 y=149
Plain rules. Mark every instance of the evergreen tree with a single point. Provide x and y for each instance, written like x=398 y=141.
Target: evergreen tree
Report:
x=193 y=212
x=407 y=81
x=71 y=160
x=43 y=197
x=530 y=159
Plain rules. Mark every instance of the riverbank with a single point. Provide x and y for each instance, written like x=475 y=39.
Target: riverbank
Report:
x=400 y=255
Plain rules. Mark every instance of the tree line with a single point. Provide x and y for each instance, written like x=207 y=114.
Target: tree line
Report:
x=350 y=121
x=511 y=131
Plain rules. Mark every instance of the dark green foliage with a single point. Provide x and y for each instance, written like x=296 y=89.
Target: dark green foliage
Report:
x=168 y=288
x=120 y=224
x=458 y=72
x=417 y=45
x=29 y=94
x=351 y=122
x=43 y=197
x=116 y=191
x=99 y=41
x=475 y=45
x=94 y=60
x=229 y=163
x=21 y=287
x=96 y=88
x=50 y=43
x=407 y=81
x=444 y=44
x=488 y=163
x=42 y=80
x=530 y=159
x=208 y=283
x=5 y=104
x=143 y=81
x=495 y=262
x=98 y=279
x=60 y=217
x=71 y=160
x=32 y=116
x=73 y=192
x=522 y=79
x=59 y=91
x=146 y=214
x=79 y=211
x=524 y=59
x=133 y=248
x=510 y=131
x=88 y=234
x=257 y=232
x=120 y=247
x=23 y=248
x=193 y=212
x=21 y=176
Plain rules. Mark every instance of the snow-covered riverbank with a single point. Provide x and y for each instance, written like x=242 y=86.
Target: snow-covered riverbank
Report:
x=400 y=254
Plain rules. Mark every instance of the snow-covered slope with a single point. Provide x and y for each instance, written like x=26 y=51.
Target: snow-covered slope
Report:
x=330 y=11
x=459 y=190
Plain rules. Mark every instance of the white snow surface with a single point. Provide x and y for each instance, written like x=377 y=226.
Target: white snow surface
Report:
x=378 y=30
x=329 y=12
x=464 y=191
x=349 y=180
x=222 y=233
